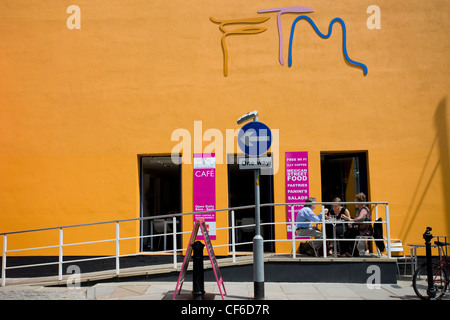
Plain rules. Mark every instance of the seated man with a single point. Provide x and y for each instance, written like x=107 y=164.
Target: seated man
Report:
x=304 y=220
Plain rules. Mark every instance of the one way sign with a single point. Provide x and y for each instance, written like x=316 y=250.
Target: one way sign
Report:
x=255 y=138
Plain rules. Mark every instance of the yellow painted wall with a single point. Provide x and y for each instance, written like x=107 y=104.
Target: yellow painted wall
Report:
x=77 y=107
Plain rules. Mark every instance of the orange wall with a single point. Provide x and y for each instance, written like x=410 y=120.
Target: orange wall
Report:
x=78 y=106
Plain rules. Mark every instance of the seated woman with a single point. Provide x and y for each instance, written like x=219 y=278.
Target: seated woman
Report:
x=338 y=211
x=358 y=229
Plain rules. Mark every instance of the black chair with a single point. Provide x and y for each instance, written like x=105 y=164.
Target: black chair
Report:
x=378 y=234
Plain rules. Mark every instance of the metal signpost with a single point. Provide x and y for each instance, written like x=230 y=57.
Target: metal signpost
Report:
x=255 y=139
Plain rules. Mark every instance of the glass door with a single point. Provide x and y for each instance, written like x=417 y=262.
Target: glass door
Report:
x=160 y=193
x=344 y=175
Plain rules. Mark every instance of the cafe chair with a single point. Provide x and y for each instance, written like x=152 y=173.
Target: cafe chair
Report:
x=378 y=234
x=365 y=243
x=305 y=246
x=161 y=226
x=397 y=246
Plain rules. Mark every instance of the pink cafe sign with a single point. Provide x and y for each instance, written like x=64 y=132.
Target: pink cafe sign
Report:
x=205 y=191
x=297 y=184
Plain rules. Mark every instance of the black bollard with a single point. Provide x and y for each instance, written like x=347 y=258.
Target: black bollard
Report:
x=430 y=290
x=198 y=282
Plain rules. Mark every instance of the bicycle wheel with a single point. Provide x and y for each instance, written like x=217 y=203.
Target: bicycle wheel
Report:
x=420 y=281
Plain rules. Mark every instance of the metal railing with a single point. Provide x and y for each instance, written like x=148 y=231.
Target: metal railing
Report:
x=232 y=245
x=324 y=222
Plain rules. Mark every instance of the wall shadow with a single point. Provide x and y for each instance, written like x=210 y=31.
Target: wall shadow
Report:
x=441 y=121
x=441 y=143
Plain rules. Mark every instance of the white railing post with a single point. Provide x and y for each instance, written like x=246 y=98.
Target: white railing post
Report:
x=60 y=261
x=151 y=233
x=4 y=261
x=388 y=232
x=165 y=235
x=374 y=223
x=117 y=248
x=174 y=228
x=233 y=237
x=293 y=232
x=324 y=234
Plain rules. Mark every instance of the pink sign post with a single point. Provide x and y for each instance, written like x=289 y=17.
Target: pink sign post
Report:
x=297 y=184
x=205 y=191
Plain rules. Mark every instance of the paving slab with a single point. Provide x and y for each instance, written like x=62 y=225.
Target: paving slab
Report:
x=146 y=290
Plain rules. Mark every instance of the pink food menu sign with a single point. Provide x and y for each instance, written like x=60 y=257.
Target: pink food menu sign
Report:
x=297 y=183
x=205 y=191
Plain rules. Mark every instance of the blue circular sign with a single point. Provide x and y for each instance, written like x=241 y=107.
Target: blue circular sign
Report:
x=254 y=139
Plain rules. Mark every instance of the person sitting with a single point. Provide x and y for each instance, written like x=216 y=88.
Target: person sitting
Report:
x=305 y=218
x=337 y=211
x=359 y=228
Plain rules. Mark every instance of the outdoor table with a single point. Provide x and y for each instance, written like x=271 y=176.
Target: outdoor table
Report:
x=413 y=249
x=334 y=222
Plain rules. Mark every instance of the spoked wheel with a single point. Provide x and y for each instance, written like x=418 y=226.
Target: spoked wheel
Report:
x=420 y=282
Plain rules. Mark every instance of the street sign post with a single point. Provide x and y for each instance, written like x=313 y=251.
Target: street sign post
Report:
x=255 y=139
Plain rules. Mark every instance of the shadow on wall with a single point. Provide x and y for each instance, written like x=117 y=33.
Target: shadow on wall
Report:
x=441 y=120
x=441 y=145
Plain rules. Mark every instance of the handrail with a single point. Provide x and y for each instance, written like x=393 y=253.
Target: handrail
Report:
x=183 y=214
x=131 y=219
x=174 y=233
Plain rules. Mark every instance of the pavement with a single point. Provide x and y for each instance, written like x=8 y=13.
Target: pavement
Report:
x=145 y=290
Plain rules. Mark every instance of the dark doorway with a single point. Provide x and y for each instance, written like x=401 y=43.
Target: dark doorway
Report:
x=160 y=188
x=241 y=192
x=344 y=175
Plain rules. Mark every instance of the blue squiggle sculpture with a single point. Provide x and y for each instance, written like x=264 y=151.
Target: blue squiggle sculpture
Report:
x=344 y=39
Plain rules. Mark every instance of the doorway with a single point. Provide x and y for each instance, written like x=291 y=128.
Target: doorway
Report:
x=241 y=192
x=160 y=194
x=344 y=175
